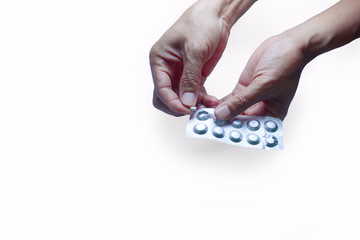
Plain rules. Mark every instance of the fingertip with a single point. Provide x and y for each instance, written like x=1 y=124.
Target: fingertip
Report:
x=180 y=108
x=188 y=99
x=222 y=112
x=211 y=101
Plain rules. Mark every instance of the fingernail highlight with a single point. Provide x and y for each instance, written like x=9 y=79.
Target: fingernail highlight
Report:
x=188 y=98
x=223 y=112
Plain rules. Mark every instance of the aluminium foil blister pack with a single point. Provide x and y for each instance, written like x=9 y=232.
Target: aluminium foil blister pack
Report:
x=261 y=132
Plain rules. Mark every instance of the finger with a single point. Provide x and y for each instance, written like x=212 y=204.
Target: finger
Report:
x=274 y=108
x=206 y=100
x=210 y=101
x=259 y=109
x=159 y=104
x=244 y=95
x=165 y=92
x=240 y=101
x=190 y=82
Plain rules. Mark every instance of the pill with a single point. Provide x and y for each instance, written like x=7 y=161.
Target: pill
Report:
x=270 y=126
x=192 y=109
x=244 y=131
x=202 y=115
x=235 y=136
x=200 y=128
x=253 y=125
x=218 y=132
x=220 y=123
x=271 y=141
x=237 y=123
x=253 y=139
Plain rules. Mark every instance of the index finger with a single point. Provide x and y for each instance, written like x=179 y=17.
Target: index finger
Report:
x=164 y=90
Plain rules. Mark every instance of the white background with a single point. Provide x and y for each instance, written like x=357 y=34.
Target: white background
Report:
x=84 y=155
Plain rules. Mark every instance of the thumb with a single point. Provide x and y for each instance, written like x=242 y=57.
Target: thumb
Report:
x=190 y=82
x=237 y=103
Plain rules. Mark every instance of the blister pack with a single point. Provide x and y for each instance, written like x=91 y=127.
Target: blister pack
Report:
x=245 y=131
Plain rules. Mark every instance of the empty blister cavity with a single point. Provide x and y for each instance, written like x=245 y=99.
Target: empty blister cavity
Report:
x=200 y=128
x=253 y=125
x=262 y=132
x=203 y=115
x=271 y=126
x=271 y=141
x=218 y=132
x=237 y=123
x=235 y=136
x=253 y=139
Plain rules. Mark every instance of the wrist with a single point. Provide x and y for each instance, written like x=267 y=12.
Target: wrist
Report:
x=304 y=42
x=312 y=41
x=324 y=32
x=228 y=10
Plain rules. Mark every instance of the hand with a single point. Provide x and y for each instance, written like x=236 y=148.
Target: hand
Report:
x=268 y=82
x=184 y=57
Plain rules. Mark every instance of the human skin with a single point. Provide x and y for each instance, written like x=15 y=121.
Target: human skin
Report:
x=187 y=53
x=270 y=78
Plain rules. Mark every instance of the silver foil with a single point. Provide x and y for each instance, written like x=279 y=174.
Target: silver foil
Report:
x=261 y=132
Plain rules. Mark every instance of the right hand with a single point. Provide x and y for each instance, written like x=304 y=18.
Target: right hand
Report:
x=268 y=82
x=184 y=57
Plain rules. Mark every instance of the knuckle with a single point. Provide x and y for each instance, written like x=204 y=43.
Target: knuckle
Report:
x=238 y=102
x=240 y=99
x=190 y=81
x=152 y=50
x=153 y=53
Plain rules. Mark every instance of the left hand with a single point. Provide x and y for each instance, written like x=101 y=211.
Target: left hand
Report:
x=268 y=82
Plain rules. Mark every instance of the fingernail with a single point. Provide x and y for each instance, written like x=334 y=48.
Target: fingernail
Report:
x=188 y=98
x=223 y=112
